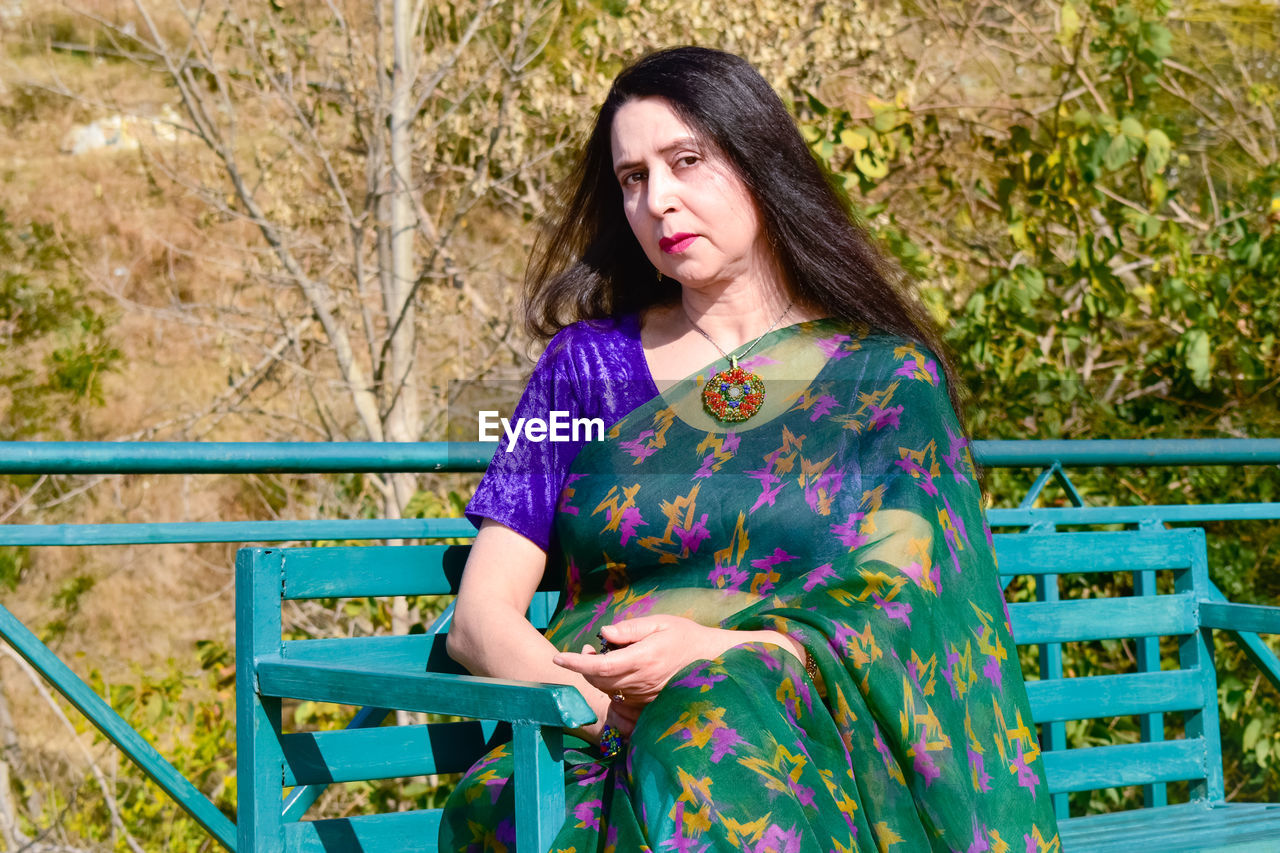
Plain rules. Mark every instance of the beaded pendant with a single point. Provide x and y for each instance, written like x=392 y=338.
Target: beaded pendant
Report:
x=733 y=395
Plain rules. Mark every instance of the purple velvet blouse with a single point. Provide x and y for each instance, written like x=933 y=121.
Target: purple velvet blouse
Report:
x=591 y=369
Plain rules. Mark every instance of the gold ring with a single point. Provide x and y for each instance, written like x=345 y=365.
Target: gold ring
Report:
x=618 y=697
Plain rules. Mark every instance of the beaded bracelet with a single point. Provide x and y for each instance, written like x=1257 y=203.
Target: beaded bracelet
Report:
x=610 y=741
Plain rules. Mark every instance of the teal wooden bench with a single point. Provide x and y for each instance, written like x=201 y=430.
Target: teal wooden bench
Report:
x=1180 y=605
x=1172 y=599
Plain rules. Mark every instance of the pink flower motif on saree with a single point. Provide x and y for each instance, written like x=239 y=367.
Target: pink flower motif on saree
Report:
x=631 y=519
x=850 y=533
x=881 y=418
x=640 y=447
x=833 y=347
x=819 y=577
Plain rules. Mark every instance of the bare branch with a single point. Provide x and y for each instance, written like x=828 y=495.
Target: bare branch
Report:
x=447 y=65
x=108 y=795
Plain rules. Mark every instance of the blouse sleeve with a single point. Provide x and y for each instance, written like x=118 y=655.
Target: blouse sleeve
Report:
x=521 y=487
x=593 y=369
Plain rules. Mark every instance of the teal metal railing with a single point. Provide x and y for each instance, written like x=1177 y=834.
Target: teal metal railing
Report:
x=82 y=458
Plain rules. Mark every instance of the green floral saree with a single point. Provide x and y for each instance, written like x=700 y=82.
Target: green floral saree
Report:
x=845 y=514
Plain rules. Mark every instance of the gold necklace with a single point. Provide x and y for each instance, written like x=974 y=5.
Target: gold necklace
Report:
x=735 y=394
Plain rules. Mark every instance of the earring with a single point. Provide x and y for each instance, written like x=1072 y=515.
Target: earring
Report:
x=659 y=272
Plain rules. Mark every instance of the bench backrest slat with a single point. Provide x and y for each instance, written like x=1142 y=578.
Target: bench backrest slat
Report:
x=378 y=571
x=1126 y=764
x=400 y=831
x=1102 y=619
x=1124 y=551
x=1090 y=697
x=313 y=758
x=373 y=571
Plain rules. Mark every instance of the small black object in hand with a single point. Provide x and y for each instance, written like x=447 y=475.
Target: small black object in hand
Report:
x=605 y=645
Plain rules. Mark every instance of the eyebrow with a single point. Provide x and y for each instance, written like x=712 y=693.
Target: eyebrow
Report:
x=682 y=142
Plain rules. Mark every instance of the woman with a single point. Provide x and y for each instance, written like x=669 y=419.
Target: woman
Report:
x=783 y=552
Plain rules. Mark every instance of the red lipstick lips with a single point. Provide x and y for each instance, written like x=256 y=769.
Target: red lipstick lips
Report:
x=676 y=243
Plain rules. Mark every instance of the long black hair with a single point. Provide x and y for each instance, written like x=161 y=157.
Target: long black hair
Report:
x=589 y=264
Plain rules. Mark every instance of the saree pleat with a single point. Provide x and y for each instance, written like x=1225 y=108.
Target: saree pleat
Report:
x=849 y=519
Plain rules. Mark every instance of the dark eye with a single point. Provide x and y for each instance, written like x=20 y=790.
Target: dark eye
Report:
x=688 y=159
x=632 y=178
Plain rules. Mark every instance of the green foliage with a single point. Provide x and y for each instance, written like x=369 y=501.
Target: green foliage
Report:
x=67 y=603
x=29 y=307
x=190 y=718
x=429 y=504
x=47 y=319
x=1250 y=733
x=13 y=562
x=199 y=710
x=1106 y=286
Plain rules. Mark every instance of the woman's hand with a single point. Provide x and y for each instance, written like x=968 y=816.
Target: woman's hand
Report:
x=648 y=652
x=622 y=716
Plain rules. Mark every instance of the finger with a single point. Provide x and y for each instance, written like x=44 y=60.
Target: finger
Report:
x=631 y=630
x=589 y=665
x=622 y=663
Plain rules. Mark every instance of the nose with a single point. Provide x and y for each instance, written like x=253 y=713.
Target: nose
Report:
x=661 y=196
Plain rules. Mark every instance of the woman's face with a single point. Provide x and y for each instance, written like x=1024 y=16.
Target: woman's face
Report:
x=692 y=214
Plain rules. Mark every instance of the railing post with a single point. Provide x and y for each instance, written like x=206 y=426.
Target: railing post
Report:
x=259 y=756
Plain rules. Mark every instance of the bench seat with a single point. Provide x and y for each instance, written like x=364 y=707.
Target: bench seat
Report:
x=1183 y=828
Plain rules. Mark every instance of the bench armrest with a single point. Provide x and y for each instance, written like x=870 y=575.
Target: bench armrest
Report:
x=1253 y=618
x=426 y=692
